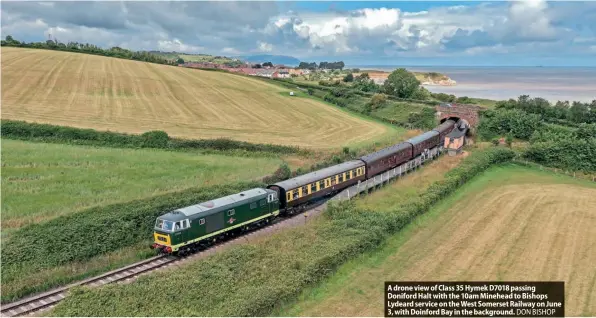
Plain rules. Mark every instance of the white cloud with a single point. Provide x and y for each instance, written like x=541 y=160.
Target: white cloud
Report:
x=265 y=47
x=178 y=46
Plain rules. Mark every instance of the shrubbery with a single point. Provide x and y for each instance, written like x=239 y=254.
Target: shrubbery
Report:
x=154 y=139
x=552 y=145
x=572 y=154
x=501 y=122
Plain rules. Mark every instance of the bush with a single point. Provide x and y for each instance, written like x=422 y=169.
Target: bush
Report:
x=155 y=139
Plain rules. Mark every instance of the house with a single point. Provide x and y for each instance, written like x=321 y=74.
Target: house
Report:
x=281 y=74
x=293 y=71
x=264 y=73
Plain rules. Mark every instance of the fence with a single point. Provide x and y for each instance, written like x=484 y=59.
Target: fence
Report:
x=387 y=176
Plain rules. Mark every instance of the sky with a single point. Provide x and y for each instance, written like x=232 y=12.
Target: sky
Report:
x=447 y=33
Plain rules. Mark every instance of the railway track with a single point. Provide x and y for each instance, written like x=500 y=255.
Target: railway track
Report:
x=44 y=301
x=49 y=299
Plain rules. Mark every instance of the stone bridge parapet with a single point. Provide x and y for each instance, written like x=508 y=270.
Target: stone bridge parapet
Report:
x=468 y=113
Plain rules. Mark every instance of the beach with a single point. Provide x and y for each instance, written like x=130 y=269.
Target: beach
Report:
x=551 y=83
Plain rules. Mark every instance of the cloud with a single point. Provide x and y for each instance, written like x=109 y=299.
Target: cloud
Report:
x=265 y=47
x=237 y=28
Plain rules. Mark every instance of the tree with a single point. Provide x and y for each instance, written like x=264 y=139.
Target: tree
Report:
x=179 y=61
x=267 y=64
x=401 y=83
x=421 y=94
x=349 y=78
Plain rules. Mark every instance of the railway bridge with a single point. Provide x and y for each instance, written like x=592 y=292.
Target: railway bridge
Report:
x=468 y=113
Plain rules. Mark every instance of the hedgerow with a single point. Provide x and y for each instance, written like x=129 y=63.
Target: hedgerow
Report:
x=251 y=280
x=154 y=139
x=83 y=235
x=572 y=154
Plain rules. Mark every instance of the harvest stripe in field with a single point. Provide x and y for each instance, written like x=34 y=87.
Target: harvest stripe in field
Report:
x=103 y=93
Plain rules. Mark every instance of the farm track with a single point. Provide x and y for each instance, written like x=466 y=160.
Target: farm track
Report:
x=103 y=93
x=44 y=301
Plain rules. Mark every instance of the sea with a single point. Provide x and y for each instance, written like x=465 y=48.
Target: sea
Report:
x=551 y=83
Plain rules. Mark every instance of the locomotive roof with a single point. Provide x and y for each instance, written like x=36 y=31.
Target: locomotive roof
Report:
x=423 y=137
x=385 y=152
x=319 y=174
x=210 y=207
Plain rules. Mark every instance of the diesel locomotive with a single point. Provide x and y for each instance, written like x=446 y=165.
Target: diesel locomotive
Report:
x=183 y=230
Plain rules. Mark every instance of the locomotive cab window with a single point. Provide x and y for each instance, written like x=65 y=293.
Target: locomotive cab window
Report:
x=253 y=205
x=263 y=202
x=181 y=225
x=164 y=225
x=201 y=221
x=231 y=212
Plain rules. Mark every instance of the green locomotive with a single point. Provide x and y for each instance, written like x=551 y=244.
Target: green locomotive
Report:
x=183 y=230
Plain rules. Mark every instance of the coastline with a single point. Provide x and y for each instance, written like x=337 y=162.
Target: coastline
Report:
x=501 y=83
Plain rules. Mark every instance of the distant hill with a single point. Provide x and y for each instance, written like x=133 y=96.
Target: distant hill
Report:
x=275 y=59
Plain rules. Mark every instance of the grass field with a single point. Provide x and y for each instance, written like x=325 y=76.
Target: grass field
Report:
x=41 y=181
x=510 y=223
x=89 y=91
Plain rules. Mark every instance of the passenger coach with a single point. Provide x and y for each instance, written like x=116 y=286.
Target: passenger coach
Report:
x=296 y=191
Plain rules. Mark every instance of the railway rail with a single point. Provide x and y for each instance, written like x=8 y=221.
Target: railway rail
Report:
x=47 y=300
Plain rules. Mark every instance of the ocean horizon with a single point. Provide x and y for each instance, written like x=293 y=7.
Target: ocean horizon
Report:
x=554 y=83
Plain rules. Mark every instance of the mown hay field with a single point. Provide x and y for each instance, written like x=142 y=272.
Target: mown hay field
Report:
x=511 y=223
x=42 y=181
x=103 y=93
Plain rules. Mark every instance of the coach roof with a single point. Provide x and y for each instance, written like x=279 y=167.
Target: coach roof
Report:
x=421 y=138
x=318 y=175
x=385 y=152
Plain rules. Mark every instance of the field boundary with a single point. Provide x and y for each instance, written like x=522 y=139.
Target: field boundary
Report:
x=29 y=131
x=570 y=173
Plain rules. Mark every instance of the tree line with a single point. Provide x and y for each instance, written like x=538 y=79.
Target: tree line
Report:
x=91 y=49
x=323 y=65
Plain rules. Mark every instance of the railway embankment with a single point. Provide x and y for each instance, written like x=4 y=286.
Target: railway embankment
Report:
x=255 y=278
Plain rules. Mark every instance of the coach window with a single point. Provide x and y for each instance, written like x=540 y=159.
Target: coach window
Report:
x=288 y=196
x=295 y=193
x=304 y=191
